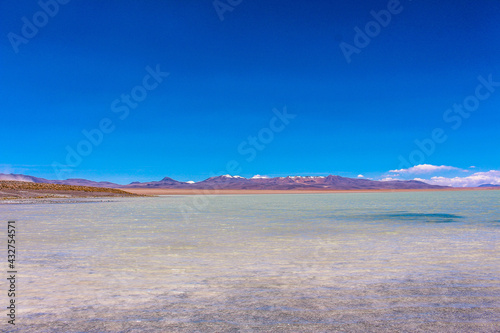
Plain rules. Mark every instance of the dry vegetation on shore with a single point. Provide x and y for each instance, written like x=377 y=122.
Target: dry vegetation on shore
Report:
x=21 y=190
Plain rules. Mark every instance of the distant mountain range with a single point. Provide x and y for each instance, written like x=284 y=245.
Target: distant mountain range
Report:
x=240 y=183
x=71 y=181
x=489 y=185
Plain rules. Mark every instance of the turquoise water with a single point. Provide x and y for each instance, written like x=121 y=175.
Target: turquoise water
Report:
x=353 y=262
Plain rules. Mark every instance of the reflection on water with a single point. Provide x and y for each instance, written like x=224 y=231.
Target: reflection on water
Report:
x=272 y=263
x=430 y=218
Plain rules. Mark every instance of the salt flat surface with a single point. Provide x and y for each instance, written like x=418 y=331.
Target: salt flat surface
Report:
x=352 y=262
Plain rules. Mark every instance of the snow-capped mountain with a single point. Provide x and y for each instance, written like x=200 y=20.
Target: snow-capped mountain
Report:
x=240 y=183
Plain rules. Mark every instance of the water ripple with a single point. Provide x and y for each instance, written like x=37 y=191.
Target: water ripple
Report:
x=420 y=217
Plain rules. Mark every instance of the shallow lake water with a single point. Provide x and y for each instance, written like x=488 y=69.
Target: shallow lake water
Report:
x=347 y=262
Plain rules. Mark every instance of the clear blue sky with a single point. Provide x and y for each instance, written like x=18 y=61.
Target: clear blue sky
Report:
x=226 y=77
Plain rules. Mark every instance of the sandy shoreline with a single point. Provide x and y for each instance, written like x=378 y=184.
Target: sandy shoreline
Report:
x=151 y=191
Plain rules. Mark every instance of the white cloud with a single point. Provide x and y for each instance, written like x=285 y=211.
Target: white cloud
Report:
x=388 y=179
x=474 y=180
x=361 y=176
x=425 y=168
